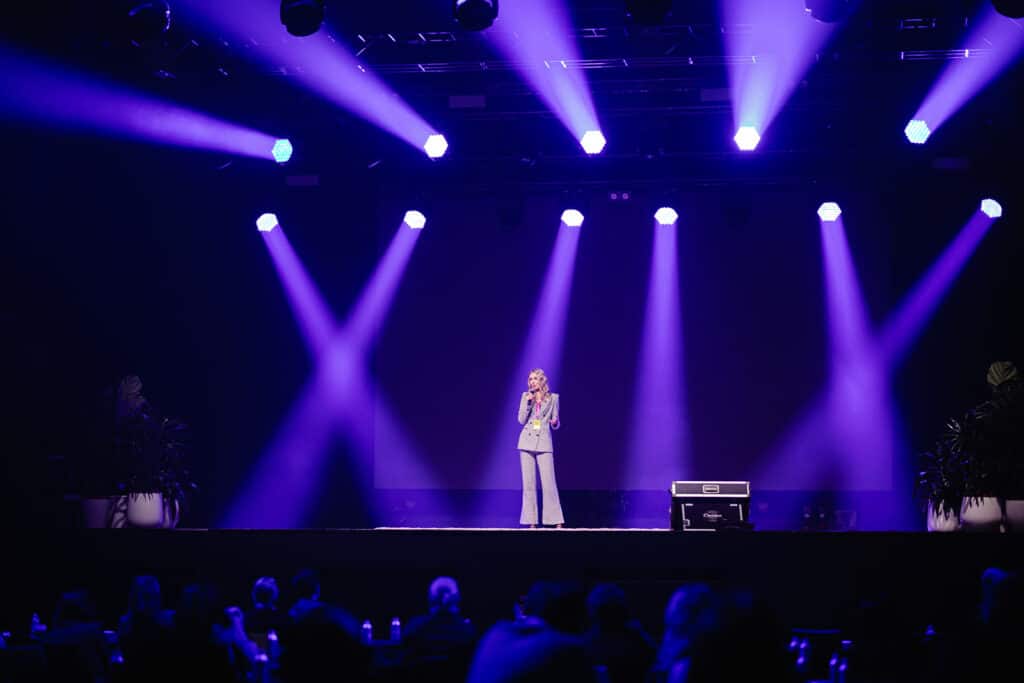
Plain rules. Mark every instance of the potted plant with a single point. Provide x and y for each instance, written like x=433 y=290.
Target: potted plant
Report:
x=995 y=478
x=152 y=449
x=977 y=467
x=941 y=479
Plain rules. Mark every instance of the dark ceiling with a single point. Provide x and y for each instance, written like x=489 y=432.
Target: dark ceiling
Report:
x=661 y=92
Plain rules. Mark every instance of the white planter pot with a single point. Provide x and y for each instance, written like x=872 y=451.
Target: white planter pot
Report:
x=981 y=514
x=98 y=513
x=146 y=510
x=937 y=521
x=1015 y=516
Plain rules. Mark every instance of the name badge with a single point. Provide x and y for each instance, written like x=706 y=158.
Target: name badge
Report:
x=535 y=424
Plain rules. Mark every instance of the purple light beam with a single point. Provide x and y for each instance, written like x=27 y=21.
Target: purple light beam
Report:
x=281 y=489
x=659 y=450
x=1002 y=39
x=542 y=348
x=310 y=310
x=795 y=462
x=368 y=315
x=780 y=39
x=849 y=335
x=862 y=415
x=909 y=321
x=36 y=91
x=340 y=402
x=319 y=62
x=536 y=35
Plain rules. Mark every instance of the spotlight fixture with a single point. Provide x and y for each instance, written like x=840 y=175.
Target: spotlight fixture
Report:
x=747 y=138
x=829 y=212
x=572 y=218
x=648 y=12
x=991 y=208
x=592 y=142
x=828 y=11
x=917 y=131
x=435 y=146
x=415 y=220
x=282 y=150
x=475 y=15
x=148 y=21
x=302 y=17
x=266 y=222
x=1014 y=9
x=666 y=215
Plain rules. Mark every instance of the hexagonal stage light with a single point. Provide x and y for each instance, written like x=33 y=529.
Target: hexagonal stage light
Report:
x=593 y=142
x=415 y=220
x=829 y=212
x=266 y=222
x=282 y=150
x=747 y=138
x=572 y=218
x=917 y=131
x=666 y=216
x=435 y=146
x=991 y=208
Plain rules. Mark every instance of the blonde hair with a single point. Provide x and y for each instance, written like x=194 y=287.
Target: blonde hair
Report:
x=545 y=391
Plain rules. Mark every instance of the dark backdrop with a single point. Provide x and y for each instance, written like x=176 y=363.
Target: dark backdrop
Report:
x=749 y=265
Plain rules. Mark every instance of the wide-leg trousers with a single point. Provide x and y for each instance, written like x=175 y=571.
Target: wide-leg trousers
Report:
x=552 y=508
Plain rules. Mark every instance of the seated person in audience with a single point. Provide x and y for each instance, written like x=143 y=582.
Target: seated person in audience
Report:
x=22 y=656
x=613 y=641
x=145 y=607
x=320 y=637
x=73 y=646
x=306 y=595
x=1002 y=618
x=208 y=642
x=988 y=646
x=544 y=644
x=264 y=615
x=726 y=638
x=687 y=612
x=438 y=646
x=144 y=629
x=320 y=644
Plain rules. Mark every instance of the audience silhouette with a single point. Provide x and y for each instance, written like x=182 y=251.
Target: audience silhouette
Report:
x=558 y=633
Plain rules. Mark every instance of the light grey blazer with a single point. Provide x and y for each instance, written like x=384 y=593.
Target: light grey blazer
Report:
x=531 y=438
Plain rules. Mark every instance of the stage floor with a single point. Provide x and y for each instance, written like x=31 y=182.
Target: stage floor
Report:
x=812 y=579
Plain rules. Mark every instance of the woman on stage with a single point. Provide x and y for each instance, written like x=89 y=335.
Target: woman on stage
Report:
x=538 y=413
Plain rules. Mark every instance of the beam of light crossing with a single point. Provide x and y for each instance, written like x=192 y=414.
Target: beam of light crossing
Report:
x=856 y=411
x=337 y=403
